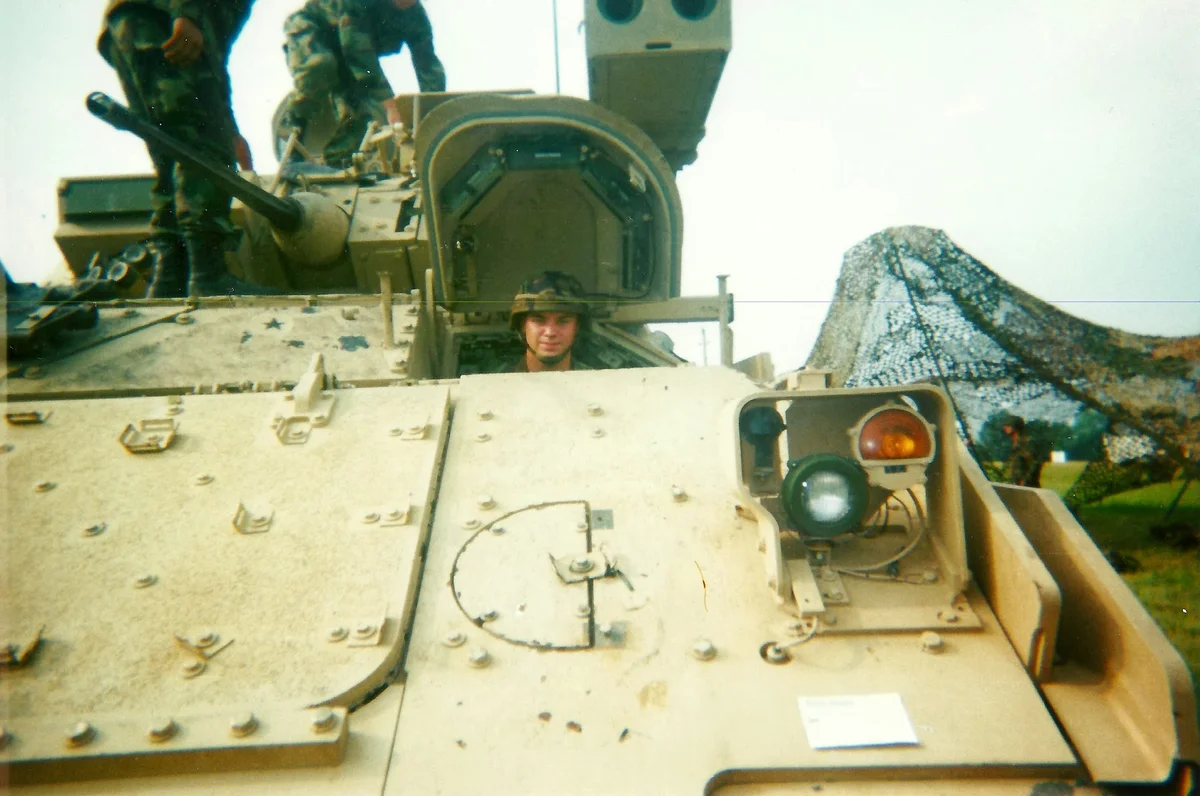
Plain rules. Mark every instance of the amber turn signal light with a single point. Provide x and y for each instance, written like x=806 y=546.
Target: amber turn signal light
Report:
x=894 y=434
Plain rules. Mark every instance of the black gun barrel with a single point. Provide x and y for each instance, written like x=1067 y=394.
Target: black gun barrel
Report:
x=285 y=214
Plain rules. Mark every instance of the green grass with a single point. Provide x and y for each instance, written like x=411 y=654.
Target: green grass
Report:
x=1167 y=582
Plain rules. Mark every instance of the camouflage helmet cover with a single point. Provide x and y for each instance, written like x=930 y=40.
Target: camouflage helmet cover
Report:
x=549 y=291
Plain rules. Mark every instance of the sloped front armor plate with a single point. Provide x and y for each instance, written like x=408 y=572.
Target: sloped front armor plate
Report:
x=311 y=611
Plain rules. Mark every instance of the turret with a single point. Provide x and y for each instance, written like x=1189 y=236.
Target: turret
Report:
x=308 y=227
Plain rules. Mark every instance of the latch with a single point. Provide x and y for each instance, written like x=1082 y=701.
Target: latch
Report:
x=247 y=522
x=306 y=407
x=586 y=566
x=149 y=436
x=27 y=418
x=13 y=655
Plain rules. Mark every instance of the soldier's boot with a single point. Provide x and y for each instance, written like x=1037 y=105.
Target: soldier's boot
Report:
x=169 y=277
x=207 y=275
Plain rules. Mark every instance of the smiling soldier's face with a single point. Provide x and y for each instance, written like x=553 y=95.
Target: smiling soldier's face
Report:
x=550 y=335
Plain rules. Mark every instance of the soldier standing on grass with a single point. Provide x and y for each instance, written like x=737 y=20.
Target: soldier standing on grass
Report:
x=1024 y=466
x=171 y=57
x=333 y=49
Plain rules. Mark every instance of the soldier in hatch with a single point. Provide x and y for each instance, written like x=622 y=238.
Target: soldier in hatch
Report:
x=333 y=49
x=549 y=312
x=171 y=56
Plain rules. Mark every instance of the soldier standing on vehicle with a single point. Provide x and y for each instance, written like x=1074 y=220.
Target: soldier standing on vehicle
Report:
x=549 y=312
x=170 y=56
x=333 y=49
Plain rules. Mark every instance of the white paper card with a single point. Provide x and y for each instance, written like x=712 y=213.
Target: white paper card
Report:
x=838 y=722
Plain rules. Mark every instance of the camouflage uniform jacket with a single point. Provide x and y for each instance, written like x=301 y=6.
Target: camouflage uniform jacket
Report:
x=226 y=17
x=362 y=30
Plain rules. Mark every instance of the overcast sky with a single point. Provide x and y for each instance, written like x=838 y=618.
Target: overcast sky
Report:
x=1058 y=141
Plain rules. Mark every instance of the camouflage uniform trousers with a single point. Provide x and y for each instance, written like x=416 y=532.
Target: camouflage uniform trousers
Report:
x=1023 y=467
x=190 y=103
x=321 y=75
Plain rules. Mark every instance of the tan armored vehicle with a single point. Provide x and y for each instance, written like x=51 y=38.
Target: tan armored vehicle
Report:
x=316 y=544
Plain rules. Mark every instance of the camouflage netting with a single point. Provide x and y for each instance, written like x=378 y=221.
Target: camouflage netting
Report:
x=911 y=306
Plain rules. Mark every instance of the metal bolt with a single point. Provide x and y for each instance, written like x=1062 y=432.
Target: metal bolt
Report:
x=470 y=524
x=243 y=724
x=395 y=431
x=145 y=581
x=44 y=486
x=203 y=479
x=336 y=634
x=583 y=611
x=777 y=654
x=395 y=515
x=597 y=433
x=595 y=410
x=184 y=319
x=704 y=650
x=370 y=517
x=485 y=414
x=581 y=526
x=455 y=639
x=323 y=720
x=409 y=327
x=828 y=574
x=416 y=428
x=175 y=409
x=837 y=595
x=207 y=639
x=929 y=576
x=498 y=530
x=365 y=631
x=490 y=616
x=192 y=669
x=949 y=617
x=95 y=530
x=482 y=437
x=81 y=734
x=931 y=642
x=479 y=657
x=606 y=629
x=162 y=730
x=582 y=564
x=678 y=494
x=485 y=502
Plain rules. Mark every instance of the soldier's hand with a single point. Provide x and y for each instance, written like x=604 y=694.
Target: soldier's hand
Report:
x=186 y=43
x=241 y=150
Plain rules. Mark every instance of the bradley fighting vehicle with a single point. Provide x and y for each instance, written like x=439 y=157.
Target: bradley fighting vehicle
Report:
x=310 y=543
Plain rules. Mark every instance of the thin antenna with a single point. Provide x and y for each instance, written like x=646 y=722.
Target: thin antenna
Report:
x=557 y=86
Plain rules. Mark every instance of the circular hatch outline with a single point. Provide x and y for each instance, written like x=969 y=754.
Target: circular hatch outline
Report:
x=479 y=622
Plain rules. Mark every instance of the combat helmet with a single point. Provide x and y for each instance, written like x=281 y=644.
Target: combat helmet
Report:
x=549 y=291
